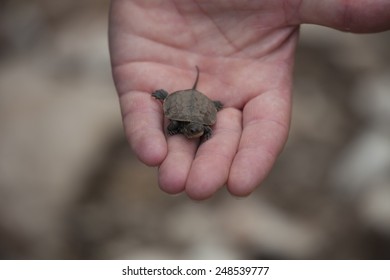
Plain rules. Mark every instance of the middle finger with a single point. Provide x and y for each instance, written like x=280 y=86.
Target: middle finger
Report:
x=173 y=171
x=210 y=168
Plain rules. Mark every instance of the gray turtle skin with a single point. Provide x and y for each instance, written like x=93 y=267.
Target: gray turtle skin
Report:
x=190 y=112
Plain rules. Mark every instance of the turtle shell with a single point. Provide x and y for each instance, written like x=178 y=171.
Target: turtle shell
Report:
x=190 y=106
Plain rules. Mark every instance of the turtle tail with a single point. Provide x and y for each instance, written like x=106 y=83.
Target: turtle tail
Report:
x=197 y=77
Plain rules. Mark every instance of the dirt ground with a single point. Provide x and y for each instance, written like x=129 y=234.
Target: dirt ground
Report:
x=70 y=187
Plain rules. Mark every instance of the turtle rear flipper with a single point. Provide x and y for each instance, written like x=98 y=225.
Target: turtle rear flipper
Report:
x=160 y=94
x=218 y=105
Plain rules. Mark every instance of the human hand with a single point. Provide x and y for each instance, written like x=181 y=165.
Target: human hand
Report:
x=244 y=50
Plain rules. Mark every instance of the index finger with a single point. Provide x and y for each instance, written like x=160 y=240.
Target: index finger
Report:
x=266 y=121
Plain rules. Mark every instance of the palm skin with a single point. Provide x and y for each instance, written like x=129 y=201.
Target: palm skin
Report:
x=244 y=50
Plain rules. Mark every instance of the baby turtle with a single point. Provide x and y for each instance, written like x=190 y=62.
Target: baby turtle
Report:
x=190 y=112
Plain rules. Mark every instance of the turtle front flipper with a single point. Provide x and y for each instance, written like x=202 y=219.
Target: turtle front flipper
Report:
x=160 y=94
x=174 y=127
x=207 y=133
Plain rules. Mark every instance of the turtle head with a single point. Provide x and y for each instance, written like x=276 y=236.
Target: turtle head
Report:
x=193 y=130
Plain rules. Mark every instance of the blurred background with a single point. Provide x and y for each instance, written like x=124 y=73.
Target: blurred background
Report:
x=70 y=188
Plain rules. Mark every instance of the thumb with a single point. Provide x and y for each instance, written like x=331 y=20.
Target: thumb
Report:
x=358 y=16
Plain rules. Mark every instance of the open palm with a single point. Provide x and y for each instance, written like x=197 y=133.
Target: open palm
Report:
x=244 y=50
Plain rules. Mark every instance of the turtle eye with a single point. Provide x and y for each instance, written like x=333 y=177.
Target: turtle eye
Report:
x=194 y=130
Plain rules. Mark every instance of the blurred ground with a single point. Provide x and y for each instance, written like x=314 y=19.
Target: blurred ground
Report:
x=71 y=188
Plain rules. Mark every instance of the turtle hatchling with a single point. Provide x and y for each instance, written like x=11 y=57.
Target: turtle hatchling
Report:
x=190 y=112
